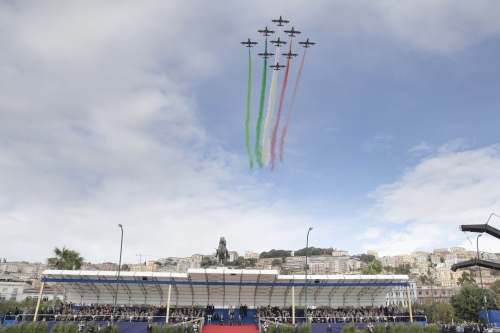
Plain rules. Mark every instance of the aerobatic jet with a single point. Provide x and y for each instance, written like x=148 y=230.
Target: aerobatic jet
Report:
x=249 y=43
x=289 y=55
x=266 y=55
x=306 y=43
x=278 y=42
x=266 y=32
x=280 y=22
x=277 y=67
x=292 y=32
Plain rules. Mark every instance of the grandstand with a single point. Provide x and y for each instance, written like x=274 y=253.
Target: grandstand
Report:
x=224 y=288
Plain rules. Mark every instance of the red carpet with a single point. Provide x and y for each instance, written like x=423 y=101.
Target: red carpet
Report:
x=229 y=329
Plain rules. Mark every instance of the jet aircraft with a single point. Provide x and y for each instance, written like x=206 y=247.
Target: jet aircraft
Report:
x=278 y=42
x=277 y=67
x=306 y=43
x=266 y=55
x=266 y=32
x=280 y=22
x=249 y=43
x=292 y=32
x=290 y=54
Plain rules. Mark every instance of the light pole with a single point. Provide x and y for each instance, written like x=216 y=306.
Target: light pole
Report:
x=118 y=278
x=482 y=286
x=307 y=266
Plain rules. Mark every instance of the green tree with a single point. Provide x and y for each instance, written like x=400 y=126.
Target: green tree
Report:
x=495 y=288
x=403 y=269
x=275 y=254
x=65 y=259
x=375 y=267
x=207 y=262
x=276 y=262
x=366 y=258
x=465 y=278
x=312 y=251
x=468 y=302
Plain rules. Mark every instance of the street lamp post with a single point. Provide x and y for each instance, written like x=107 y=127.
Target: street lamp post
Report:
x=307 y=266
x=482 y=286
x=118 y=278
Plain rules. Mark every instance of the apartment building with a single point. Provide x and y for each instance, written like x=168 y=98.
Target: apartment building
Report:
x=436 y=293
x=399 y=295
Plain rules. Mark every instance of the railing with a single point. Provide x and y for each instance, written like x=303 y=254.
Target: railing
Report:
x=119 y=318
x=346 y=319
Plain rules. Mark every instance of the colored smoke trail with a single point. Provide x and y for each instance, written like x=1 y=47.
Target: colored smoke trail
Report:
x=285 y=128
x=247 y=121
x=278 y=116
x=258 y=148
x=270 y=112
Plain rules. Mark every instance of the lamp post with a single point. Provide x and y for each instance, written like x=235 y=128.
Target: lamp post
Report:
x=118 y=278
x=482 y=286
x=307 y=266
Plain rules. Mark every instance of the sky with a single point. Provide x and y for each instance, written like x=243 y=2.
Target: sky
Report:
x=133 y=113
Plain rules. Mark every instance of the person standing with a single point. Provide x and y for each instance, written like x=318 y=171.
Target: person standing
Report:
x=329 y=328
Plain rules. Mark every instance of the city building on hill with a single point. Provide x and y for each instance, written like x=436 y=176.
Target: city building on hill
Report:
x=233 y=255
x=388 y=261
x=317 y=268
x=470 y=255
x=294 y=264
x=457 y=250
x=419 y=253
x=421 y=258
x=108 y=266
x=251 y=255
x=340 y=253
x=373 y=253
x=435 y=259
x=440 y=252
x=444 y=277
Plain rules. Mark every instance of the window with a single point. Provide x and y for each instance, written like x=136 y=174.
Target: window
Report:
x=12 y=298
x=15 y=290
x=4 y=289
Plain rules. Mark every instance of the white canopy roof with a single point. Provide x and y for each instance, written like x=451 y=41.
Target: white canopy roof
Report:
x=225 y=287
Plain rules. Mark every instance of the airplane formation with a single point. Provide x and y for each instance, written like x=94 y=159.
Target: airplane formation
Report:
x=265 y=148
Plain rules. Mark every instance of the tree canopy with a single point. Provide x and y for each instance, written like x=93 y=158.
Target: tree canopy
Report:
x=375 y=267
x=366 y=258
x=465 y=278
x=469 y=301
x=65 y=259
x=275 y=254
x=313 y=251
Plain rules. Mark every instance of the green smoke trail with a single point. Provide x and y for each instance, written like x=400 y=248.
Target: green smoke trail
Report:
x=258 y=148
x=247 y=121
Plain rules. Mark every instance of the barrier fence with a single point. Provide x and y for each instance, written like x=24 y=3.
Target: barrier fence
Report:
x=184 y=319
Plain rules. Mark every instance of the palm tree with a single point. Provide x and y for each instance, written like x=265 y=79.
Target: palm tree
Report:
x=65 y=259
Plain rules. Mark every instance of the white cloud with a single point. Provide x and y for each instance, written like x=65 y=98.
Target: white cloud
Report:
x=420 y=148
x=427 y=205
x=379 y=141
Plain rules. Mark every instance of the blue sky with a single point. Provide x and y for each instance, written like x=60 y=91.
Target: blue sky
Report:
x=133 y=113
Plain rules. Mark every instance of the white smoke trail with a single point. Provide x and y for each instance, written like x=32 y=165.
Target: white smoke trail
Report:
x=270 y=111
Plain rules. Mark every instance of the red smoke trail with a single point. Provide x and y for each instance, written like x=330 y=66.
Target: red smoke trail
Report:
x=278 y=116
x=283 y=134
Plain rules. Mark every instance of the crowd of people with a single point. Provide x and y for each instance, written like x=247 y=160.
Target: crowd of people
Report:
x=341 y=315
x=104 y=312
